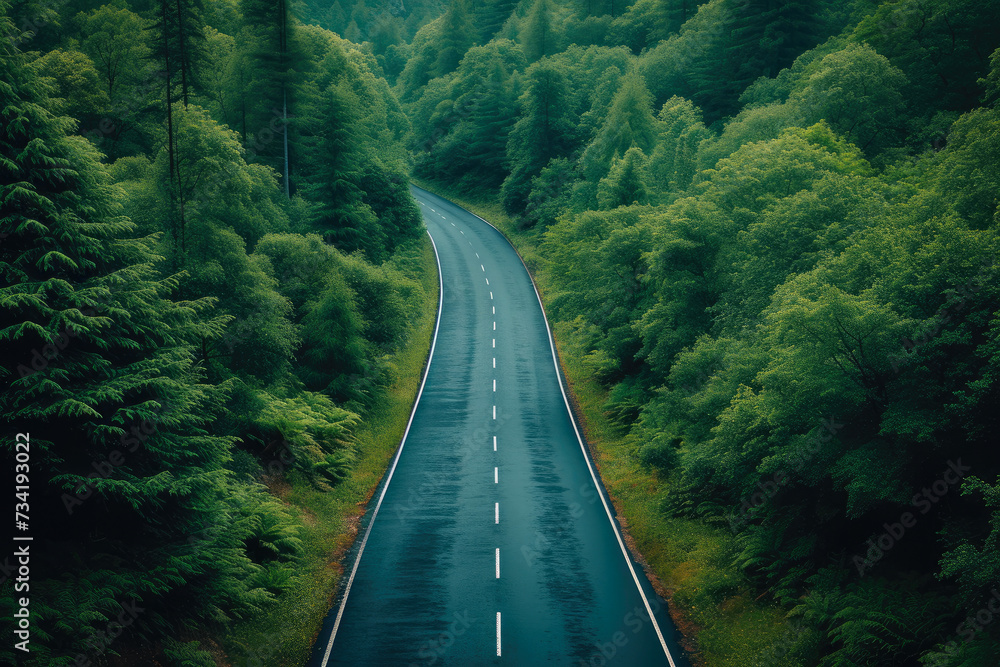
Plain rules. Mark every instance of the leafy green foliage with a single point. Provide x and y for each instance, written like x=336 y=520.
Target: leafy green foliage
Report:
x=545 y=131
x=473 y=110
x=769 y=230
x=116 y=41
x=161 y=320
x=74 y=82
x=629 y=122
x=115 y=388
x=769 y=227
x=625 y=184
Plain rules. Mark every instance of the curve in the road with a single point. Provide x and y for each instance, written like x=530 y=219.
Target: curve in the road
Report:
x=392 y=468
x=542 y=578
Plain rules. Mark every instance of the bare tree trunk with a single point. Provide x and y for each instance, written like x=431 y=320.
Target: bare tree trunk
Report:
x=183 y=55
x=283 y=49
x=284 y=119
x=170 y=124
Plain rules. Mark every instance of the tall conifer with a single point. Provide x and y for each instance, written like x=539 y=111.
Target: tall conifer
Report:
x=123 y=470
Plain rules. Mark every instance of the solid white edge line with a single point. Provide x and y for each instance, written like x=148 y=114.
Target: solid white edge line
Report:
x=583 y=449
x=364 y=541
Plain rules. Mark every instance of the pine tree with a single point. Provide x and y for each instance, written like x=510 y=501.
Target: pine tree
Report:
x=338 y=17
x=490 y=17
x=677 y=12
x=629 y=123
x=482 y=142
x=179 y=44
x=537 y=38
x=334 y=171
x=625 y=184
x=123 y=469
x=760 y=38
x=769 y=35
x=265 y=43
x=361 y=15
x=672 y=164
x=544 y=131
x=456 y=36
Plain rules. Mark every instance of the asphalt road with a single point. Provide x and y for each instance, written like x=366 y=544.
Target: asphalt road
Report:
x=490 y=543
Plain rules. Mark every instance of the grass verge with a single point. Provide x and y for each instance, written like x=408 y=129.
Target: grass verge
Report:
x=283 y=634
x=689 y=562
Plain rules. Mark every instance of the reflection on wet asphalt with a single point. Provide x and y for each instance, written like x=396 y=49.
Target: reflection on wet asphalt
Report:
x=426 y=590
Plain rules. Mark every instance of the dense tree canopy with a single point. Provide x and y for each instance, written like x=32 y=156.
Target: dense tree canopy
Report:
x=769 y=231
x=158 y=341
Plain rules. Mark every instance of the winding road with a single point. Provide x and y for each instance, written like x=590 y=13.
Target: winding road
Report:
x=489 y=542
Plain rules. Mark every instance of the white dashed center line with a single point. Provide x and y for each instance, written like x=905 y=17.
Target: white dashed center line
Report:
x=496 y=469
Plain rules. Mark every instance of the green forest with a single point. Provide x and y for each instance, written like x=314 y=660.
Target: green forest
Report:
x=211 y=268
x=765 y=233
